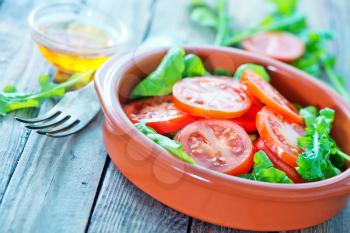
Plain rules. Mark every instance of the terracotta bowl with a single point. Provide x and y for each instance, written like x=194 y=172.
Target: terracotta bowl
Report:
x=210 y=196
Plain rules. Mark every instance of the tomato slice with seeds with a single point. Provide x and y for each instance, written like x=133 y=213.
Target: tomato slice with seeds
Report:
x=277 y=162
x=267 y=94
x=211 y=97
x=283 y=46
x=248 y=120
x=159 y=113
x=279 y=134
x=220 y=145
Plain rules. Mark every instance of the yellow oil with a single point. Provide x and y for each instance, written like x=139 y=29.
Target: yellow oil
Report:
x=80 y=47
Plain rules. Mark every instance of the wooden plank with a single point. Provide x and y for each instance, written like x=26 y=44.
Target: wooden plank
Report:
x=20 y=65
x=52 y=188
x=122 y=207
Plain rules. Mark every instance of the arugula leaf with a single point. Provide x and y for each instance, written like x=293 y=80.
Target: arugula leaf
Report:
x=219 y=71
x=285 y=7
x=260 y=70
x=11 y=100
x=194 y=66
x=172 y=146
x=263 y=170
x=205 y=17
x=315 y=162
x=291 y=23
x=215 y=18
x=161 y=81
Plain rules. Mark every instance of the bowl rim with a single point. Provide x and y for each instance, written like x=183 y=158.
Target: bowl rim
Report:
x=46 y=40
x=113 y=70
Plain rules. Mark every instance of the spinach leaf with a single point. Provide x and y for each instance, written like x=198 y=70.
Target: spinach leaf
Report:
x=11 y=100
x=194 y=66
x=260 y=70
x=172 y=146
x=285 y=7
x=263 y=170
x=315 y=162
x=161 y=81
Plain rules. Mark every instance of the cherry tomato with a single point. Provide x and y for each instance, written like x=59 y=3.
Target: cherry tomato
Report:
x=267 y=94
x=283 y=46
x=219 y=145
x=280 y=135
x=211 y=97
x=159 y=113
x=278 y=163
x=248 y=120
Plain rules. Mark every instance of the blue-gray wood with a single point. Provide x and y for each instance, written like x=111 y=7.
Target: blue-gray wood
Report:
x=69 y=185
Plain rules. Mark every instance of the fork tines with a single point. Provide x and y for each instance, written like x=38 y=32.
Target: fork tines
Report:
x=53 y=124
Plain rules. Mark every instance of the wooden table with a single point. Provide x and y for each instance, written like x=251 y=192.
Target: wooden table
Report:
x=69 y=184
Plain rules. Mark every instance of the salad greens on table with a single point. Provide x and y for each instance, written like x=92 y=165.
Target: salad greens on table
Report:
x=284 y=18
x=11 y=99
x=174 y=107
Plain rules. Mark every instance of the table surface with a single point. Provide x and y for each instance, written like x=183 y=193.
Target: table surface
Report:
x=70 y=184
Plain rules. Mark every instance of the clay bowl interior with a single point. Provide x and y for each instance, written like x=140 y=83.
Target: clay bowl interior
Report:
x=118 y=76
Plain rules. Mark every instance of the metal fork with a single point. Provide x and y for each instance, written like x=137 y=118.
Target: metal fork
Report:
x=71 y=114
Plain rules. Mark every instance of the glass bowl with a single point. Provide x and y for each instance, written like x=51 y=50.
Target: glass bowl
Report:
x=75 y=38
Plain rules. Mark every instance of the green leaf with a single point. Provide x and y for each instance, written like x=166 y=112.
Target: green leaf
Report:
x=315 y=162
x=160 y=82
x=219 y=71
x=260 y=70
x=11 y=100
x=204 y=16
x=194 y=66
x=172 y=146
x=285 y=7
x=264 y=171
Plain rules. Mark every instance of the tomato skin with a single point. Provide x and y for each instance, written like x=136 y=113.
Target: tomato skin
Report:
x=247 y=121
x=268 y=95
x=279 y=135
x=219 y=145
x=282 y=46
x=209 y=97
x=158 y=108
x=278 y=163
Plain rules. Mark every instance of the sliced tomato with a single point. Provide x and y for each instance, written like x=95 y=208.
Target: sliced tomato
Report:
x=267 y=94
x=248 y=120
x=283 y=46
x=278 y=163
x=160 y=113
x=280 y=135
x=220 y=145
x=211 y=97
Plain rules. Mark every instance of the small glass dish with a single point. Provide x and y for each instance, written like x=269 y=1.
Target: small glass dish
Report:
x=75 y=38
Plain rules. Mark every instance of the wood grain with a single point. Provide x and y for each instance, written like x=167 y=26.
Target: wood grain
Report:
x=20 y=65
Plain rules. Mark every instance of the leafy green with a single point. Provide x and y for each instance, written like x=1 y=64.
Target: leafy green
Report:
x=285 y=7
x=11 y=100
x=263 y=170
x=172 y=146
x=291 y=23
x=194 y=66
x=219 y=71
x=315 y=162
x=260 y=70
x=215 y=18
x=161 y=81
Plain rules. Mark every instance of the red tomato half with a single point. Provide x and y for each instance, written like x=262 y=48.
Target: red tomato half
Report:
x=267 y=94
x=211 y=97
x=278 y=163
x=280 y=135
x=248 y=120
x=283 y=46
x=219 y=145
x=159 y=113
